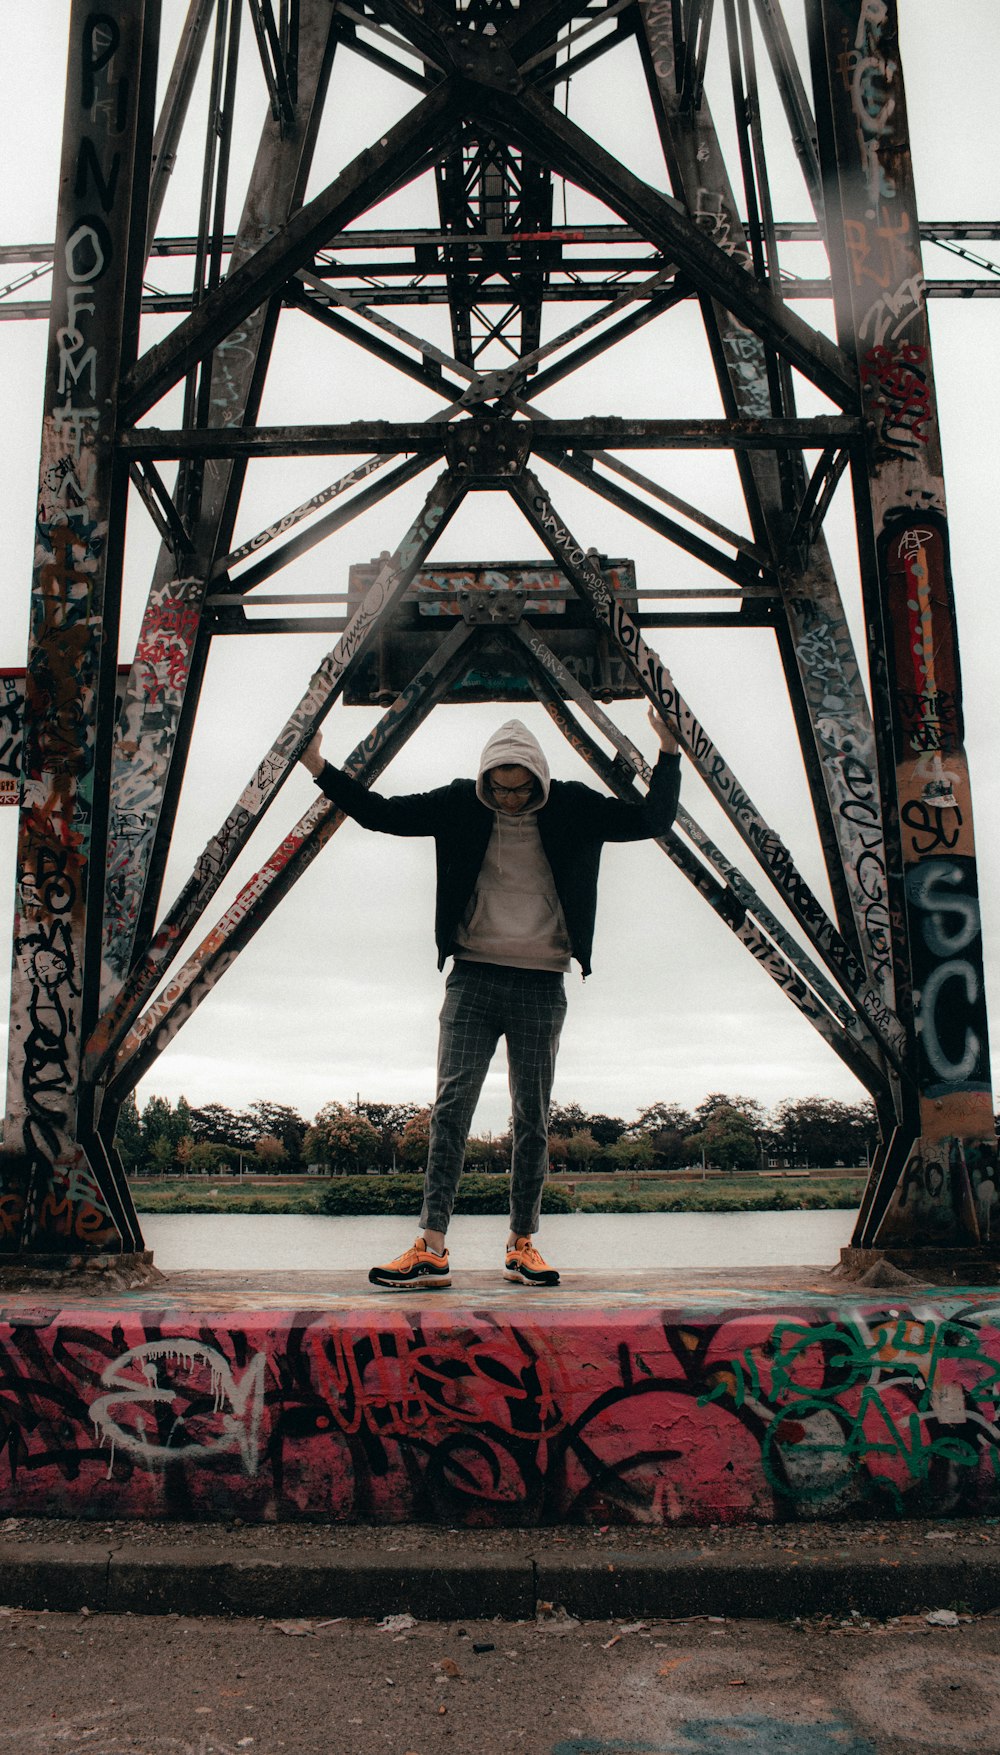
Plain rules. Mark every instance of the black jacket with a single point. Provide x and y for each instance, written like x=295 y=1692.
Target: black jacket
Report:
x=573 y=824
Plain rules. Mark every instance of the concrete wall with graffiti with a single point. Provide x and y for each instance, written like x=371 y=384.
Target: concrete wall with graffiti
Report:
x=573 y=1414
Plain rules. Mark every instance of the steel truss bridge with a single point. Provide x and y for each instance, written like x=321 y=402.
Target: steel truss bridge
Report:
x=892 y=975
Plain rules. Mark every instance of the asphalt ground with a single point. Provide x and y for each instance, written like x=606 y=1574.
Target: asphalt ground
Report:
x=549 y=1684
x=147 y=1638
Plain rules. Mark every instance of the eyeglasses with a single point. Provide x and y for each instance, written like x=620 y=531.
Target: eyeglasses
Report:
x=512 y=791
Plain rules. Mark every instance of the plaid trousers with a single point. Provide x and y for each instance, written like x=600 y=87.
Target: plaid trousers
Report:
x=482 y=1003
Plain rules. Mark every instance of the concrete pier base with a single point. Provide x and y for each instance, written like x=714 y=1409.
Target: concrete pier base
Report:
x=72 y=1272
x=943 y=1267
x=705 y=1398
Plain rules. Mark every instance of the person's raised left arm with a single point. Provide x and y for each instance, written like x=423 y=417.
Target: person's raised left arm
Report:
x=614 y=819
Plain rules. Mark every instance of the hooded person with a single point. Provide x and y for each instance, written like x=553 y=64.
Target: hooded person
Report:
x=518 y=857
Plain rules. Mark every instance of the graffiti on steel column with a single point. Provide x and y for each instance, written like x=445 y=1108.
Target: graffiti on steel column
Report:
x=831 y=1018
x=943 y=905
x=897 y=394
x=217 y=952
x=146 y=734
x=917 y=572
x=883 y=245
x=66 y=637
x=221 y=851
x=378 y=600
x=829 y=672
x=281 y=160
x=11 y=713
x=184 y=992
x=711 y=207
x=824 y=651
x=271 y=532
x=627 y=1416
x=774 y=856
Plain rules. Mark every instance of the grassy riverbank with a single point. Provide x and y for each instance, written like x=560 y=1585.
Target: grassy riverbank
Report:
x=488 y=1194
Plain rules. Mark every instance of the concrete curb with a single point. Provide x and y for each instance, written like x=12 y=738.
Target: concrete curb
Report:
x=755 y=1588
x=453 y=1584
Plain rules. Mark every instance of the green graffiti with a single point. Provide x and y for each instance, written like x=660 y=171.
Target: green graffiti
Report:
x=820 y=1433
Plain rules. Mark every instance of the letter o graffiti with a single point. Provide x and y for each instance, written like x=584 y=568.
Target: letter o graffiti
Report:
x=94 y=233
x=956 y=1071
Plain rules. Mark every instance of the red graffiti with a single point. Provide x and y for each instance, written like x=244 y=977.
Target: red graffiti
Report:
x=923 y=635
x=895 y=383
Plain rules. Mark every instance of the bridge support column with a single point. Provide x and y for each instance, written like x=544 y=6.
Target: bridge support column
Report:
x=59 y=1196
x=939 y=1177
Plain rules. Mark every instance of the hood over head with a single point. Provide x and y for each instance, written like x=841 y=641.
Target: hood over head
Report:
x=513 y=746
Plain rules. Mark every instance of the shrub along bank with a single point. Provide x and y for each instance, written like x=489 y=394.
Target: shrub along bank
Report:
x=400 y=1194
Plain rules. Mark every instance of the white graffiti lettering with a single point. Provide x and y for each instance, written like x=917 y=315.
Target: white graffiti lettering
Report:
x=229 y=1422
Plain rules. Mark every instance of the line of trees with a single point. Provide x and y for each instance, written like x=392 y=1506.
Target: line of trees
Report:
x=724 y=1132
x=266 y=1138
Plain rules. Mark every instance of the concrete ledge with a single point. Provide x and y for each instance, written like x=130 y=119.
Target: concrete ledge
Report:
x=649 y=1404
x=456 y=1583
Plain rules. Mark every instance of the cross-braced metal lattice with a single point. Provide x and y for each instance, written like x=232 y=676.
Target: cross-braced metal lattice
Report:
x=892 y=977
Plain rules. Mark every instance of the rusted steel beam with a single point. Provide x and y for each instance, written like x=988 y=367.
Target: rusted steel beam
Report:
x=576 y=291
x=609 y=433
x=741 y=544
x=259 y=897
x=821 y=669
x=657 y=683
x=654 y=306
x=794 y=97
x=347 y=34
x=541 y=130
x=426 y=372
x=799 y=231
x=362 y=501
x=728 y=893
x=57 y=1190
x=930 y=1198
x=428 y=27
x=737 y=568
x=395 y=159
x=536 y=26
x=849 y=1022
x=278 y=76
x=177 y=98
x=171 y=650
x=221 y=852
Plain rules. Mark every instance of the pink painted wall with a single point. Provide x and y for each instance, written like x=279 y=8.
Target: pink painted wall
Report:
x=393 y=1414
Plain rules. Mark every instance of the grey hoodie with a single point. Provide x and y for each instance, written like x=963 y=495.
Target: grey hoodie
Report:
x=514 y=917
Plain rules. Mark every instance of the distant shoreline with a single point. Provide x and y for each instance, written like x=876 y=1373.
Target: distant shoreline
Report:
x=780 y=1191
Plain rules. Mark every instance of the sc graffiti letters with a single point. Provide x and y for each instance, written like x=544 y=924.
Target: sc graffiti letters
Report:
x=869 y=75
x=947 y=959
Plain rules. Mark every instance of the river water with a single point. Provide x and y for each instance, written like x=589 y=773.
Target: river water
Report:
x=575 y=1242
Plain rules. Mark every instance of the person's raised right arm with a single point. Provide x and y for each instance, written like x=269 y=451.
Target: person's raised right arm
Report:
x=411 y=813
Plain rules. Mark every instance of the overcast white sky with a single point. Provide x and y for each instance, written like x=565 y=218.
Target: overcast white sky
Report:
x=338 y=995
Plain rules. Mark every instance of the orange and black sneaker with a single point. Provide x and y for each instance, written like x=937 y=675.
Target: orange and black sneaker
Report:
x=526 y=1265
x=417 y=1268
